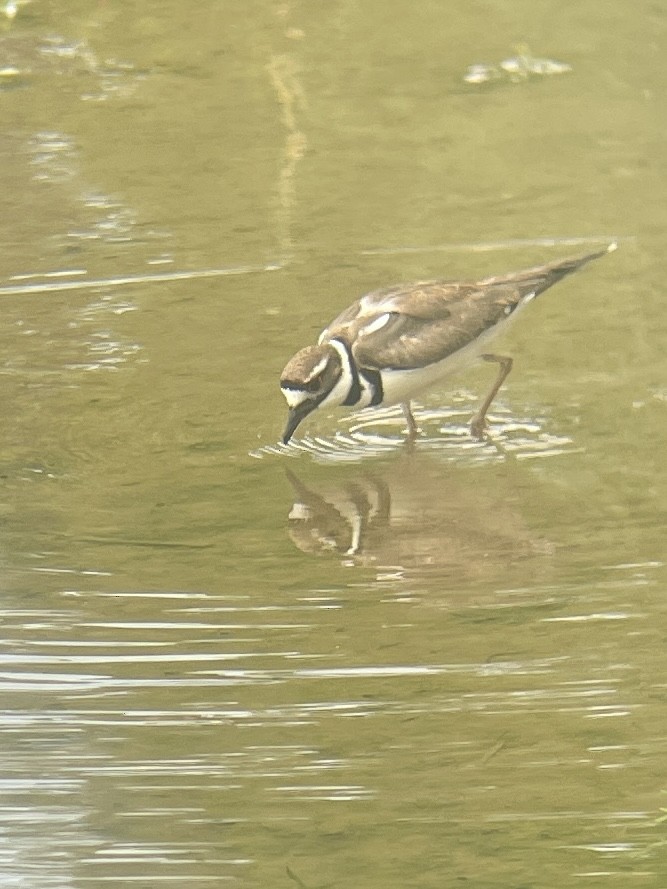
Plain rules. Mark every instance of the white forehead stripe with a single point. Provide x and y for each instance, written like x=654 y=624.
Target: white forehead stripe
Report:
x=293 y=397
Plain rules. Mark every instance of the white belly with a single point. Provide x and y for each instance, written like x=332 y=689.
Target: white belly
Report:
x=401 y=385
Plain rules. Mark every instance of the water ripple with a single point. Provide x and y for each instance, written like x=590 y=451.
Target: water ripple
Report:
x=376 y=432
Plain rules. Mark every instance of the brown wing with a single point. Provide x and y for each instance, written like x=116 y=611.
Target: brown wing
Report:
x=426 y=299
x=411 y=326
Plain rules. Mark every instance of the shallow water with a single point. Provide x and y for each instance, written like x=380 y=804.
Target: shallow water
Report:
x=346 y=661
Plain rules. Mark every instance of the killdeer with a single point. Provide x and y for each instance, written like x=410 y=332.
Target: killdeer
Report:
x=392 y=344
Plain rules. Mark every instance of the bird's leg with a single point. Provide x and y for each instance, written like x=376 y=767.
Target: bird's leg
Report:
x=413 y=429
x=478 y=423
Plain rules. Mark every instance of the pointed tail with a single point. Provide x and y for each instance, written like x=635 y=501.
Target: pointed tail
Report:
x=541 y=277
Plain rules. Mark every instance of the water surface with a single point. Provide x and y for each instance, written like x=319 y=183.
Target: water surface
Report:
x=225 y=662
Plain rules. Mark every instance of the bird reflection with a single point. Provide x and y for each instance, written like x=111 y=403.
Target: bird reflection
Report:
x=409 y=516
x=340 y=519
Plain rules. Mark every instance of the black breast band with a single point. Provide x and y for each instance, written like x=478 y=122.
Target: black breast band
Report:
x=372 y=377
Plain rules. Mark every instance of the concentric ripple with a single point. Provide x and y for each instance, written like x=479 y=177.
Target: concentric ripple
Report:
x=445 y=433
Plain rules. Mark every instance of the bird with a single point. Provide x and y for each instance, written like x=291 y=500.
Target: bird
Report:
x=394 y=343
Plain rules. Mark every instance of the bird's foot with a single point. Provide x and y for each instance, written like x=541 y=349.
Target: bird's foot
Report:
x=413 y=430
x=478 y=427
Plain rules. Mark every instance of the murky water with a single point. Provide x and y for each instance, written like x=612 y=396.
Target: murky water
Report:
x=345 y=662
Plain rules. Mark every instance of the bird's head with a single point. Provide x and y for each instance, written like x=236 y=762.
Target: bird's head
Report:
x=309 y=378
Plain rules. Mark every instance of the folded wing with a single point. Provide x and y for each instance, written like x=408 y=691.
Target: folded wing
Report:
x=408 y=327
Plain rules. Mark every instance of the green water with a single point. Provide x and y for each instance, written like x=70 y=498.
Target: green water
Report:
x=351 y=662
